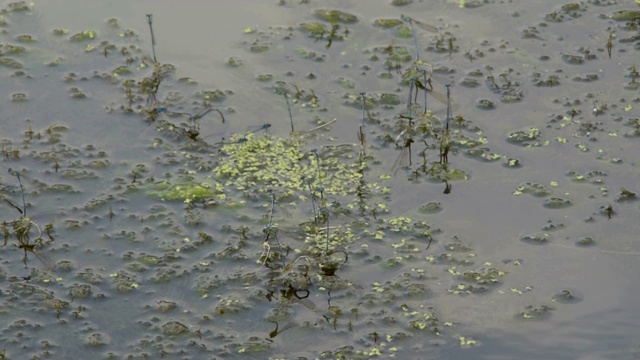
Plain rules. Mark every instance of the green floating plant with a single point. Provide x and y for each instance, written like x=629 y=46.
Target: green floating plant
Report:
x=186 y=191
x=258 y=164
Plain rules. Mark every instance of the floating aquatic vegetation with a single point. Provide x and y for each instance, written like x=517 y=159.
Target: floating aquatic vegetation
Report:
x=404 y=32
x=478 y=281
x=401 y=2
x=539 y=238
x=8 y=49
x=84 y=36
x=470 y=83
x=533 y=312
x=213 y=95
x=483 y=154
x=80 y=291
x=573 y=59
x=265 y=77
x=549 y=81
x=234 y=62
x=259 y=48
x=174 y=328
x=346 y=83
x=512 y=163
x=528 y=137
x=310 y=54
x=11 y=63
x=441 y=172
x=552 y=226
x=585 y=241
x=187 y=191
x=567 y=297
x=586 y=77
x=557 y=203
x=389 y=99
x=626 y=195
x=336 y=16
x=314 y=29
x=259 y=164
x=485 y=104
x=18 y=6
x=387 y=23
x=430 y=208
x=26 y=38
x=594 y=177
x=625 y=15
x=534 y=189
x=98 y=340
x=124 y=282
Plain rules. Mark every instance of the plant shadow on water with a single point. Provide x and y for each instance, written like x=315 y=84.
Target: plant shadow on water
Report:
x=312 y=235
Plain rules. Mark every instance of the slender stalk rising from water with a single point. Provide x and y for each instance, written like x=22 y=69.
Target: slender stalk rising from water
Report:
x=153 y=38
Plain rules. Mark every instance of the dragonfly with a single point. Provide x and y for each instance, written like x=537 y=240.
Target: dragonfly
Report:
x=419 y=76
x=251 y=130
x=421 y=25
x=257 y=128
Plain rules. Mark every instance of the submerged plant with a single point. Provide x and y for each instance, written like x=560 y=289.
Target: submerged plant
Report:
x=23 y=226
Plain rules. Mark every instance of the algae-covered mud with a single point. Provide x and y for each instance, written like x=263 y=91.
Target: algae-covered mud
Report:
x=335 y=180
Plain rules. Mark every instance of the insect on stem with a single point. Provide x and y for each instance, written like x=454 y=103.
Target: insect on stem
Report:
x=413 y=33
x=286 y=98
x=420 y=24
x=153 y=38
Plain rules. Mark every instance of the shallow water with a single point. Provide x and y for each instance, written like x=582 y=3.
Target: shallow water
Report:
x=196 y=278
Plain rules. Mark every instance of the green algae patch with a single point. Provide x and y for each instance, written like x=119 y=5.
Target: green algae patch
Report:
x=387 y=23
x=404 y=32
x=260 y=164
x=314 y=29
x=11 y=63
x=186 y=192
x=533 y=189
x=83 y=36
x=8 y=49
x=626 y=15
x=527 y=137
x=557 y=203
x=441 y=172
x=336 y=16
x=538 y=238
